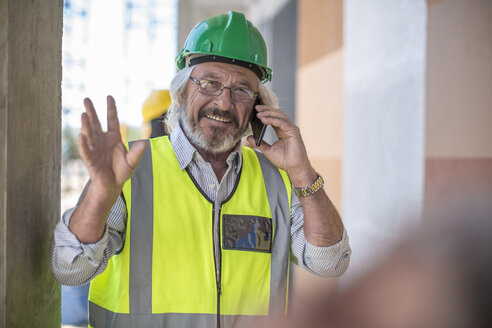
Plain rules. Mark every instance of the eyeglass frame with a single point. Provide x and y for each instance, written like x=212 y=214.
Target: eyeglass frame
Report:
x=231 y=89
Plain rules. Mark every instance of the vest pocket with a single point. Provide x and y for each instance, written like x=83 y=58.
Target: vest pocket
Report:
x=247 y=233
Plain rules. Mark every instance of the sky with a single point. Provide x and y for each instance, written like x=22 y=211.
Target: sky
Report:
x=109 y=49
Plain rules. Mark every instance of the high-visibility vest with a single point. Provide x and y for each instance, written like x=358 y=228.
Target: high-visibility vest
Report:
x=188 y=263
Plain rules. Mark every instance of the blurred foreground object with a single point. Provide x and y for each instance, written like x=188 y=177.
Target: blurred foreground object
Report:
x=154 y=110
x=439 y=276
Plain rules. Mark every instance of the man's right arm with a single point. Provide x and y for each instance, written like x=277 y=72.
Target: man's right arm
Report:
x=109 y=165
x=75 y=263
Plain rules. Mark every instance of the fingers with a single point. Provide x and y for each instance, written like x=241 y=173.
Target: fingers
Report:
x=267 y=111
x=264 y=147
x=250 y=142
x=88 y=132
x=84 y=149
x=276 y=122
x=91 y=127
x=94 y=124
x=113 y=122
x=280 y=122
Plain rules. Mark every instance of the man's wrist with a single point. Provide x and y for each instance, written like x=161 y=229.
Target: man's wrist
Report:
x=101 y=196
x=303 y=178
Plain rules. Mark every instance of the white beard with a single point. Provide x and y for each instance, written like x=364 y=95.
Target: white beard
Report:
x=198 y=139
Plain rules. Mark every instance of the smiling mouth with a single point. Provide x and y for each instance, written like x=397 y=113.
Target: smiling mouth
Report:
x=218 y=118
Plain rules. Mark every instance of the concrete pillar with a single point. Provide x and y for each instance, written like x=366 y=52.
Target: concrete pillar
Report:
x=30 y=143
x=279 y=29
x=283 y=56
x=320 y=106
x=384 y=122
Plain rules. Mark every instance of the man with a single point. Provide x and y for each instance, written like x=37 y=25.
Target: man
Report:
x=193 y=230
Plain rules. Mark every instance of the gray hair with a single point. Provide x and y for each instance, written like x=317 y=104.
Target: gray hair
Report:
x=178 y=90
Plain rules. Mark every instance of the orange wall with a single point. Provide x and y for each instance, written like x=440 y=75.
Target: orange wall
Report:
x=319 y=111
x=320 y=29
x=319 y=108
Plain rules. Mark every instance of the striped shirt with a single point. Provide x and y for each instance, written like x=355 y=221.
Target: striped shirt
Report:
x=74 y=263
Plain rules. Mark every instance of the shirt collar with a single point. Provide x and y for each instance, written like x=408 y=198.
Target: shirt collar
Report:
x=187 y=153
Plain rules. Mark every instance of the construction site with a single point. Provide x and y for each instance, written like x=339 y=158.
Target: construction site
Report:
x=393 y=99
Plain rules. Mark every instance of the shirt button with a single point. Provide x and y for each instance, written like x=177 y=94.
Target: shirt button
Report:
x=212 y=186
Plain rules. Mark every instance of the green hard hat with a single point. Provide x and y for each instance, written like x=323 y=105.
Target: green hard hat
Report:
x=229 y=38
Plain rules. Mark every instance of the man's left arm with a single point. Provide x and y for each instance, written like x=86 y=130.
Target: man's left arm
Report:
x=324 y=261
x=322 y=224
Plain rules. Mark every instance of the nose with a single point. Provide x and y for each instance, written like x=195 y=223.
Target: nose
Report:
x=224 y=100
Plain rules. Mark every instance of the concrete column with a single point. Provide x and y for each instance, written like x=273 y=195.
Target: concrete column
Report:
x=384 y=124
x=283 y=56
x=30 y=143
x=280 y=33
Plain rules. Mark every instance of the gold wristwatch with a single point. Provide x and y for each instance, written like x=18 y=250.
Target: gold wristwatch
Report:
x=309 y=190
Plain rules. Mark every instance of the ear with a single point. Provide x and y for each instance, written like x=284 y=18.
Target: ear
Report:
x=180 y=100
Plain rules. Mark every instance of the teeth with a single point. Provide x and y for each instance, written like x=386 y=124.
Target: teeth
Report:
x=217 y=118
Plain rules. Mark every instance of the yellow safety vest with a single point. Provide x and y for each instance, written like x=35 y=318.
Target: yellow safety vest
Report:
x=188 y=263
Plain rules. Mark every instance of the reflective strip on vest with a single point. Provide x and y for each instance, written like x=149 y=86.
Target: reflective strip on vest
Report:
x=141 y=252
x=277 y=194
x=100 y=317
x=140 y=288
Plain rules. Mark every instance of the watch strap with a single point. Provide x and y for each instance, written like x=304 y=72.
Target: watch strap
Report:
x=309 y=190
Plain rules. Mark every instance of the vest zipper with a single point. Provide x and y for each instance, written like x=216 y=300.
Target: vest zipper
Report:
x=217 y=257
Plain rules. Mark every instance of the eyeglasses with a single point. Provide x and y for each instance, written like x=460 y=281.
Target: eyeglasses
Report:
x=214 y=88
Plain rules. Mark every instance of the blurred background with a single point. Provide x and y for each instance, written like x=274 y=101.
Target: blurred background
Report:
x=393 y=98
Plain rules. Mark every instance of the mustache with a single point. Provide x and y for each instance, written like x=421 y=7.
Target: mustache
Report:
x=214 y=111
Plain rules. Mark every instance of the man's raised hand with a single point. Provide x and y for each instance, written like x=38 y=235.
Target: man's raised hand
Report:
x=106 y=158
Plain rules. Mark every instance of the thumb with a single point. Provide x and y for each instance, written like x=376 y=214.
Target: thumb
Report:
x=250 y=142
x=263 y=147
x=135 y=152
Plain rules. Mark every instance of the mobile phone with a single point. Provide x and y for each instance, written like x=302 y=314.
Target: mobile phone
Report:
x=256 y=125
